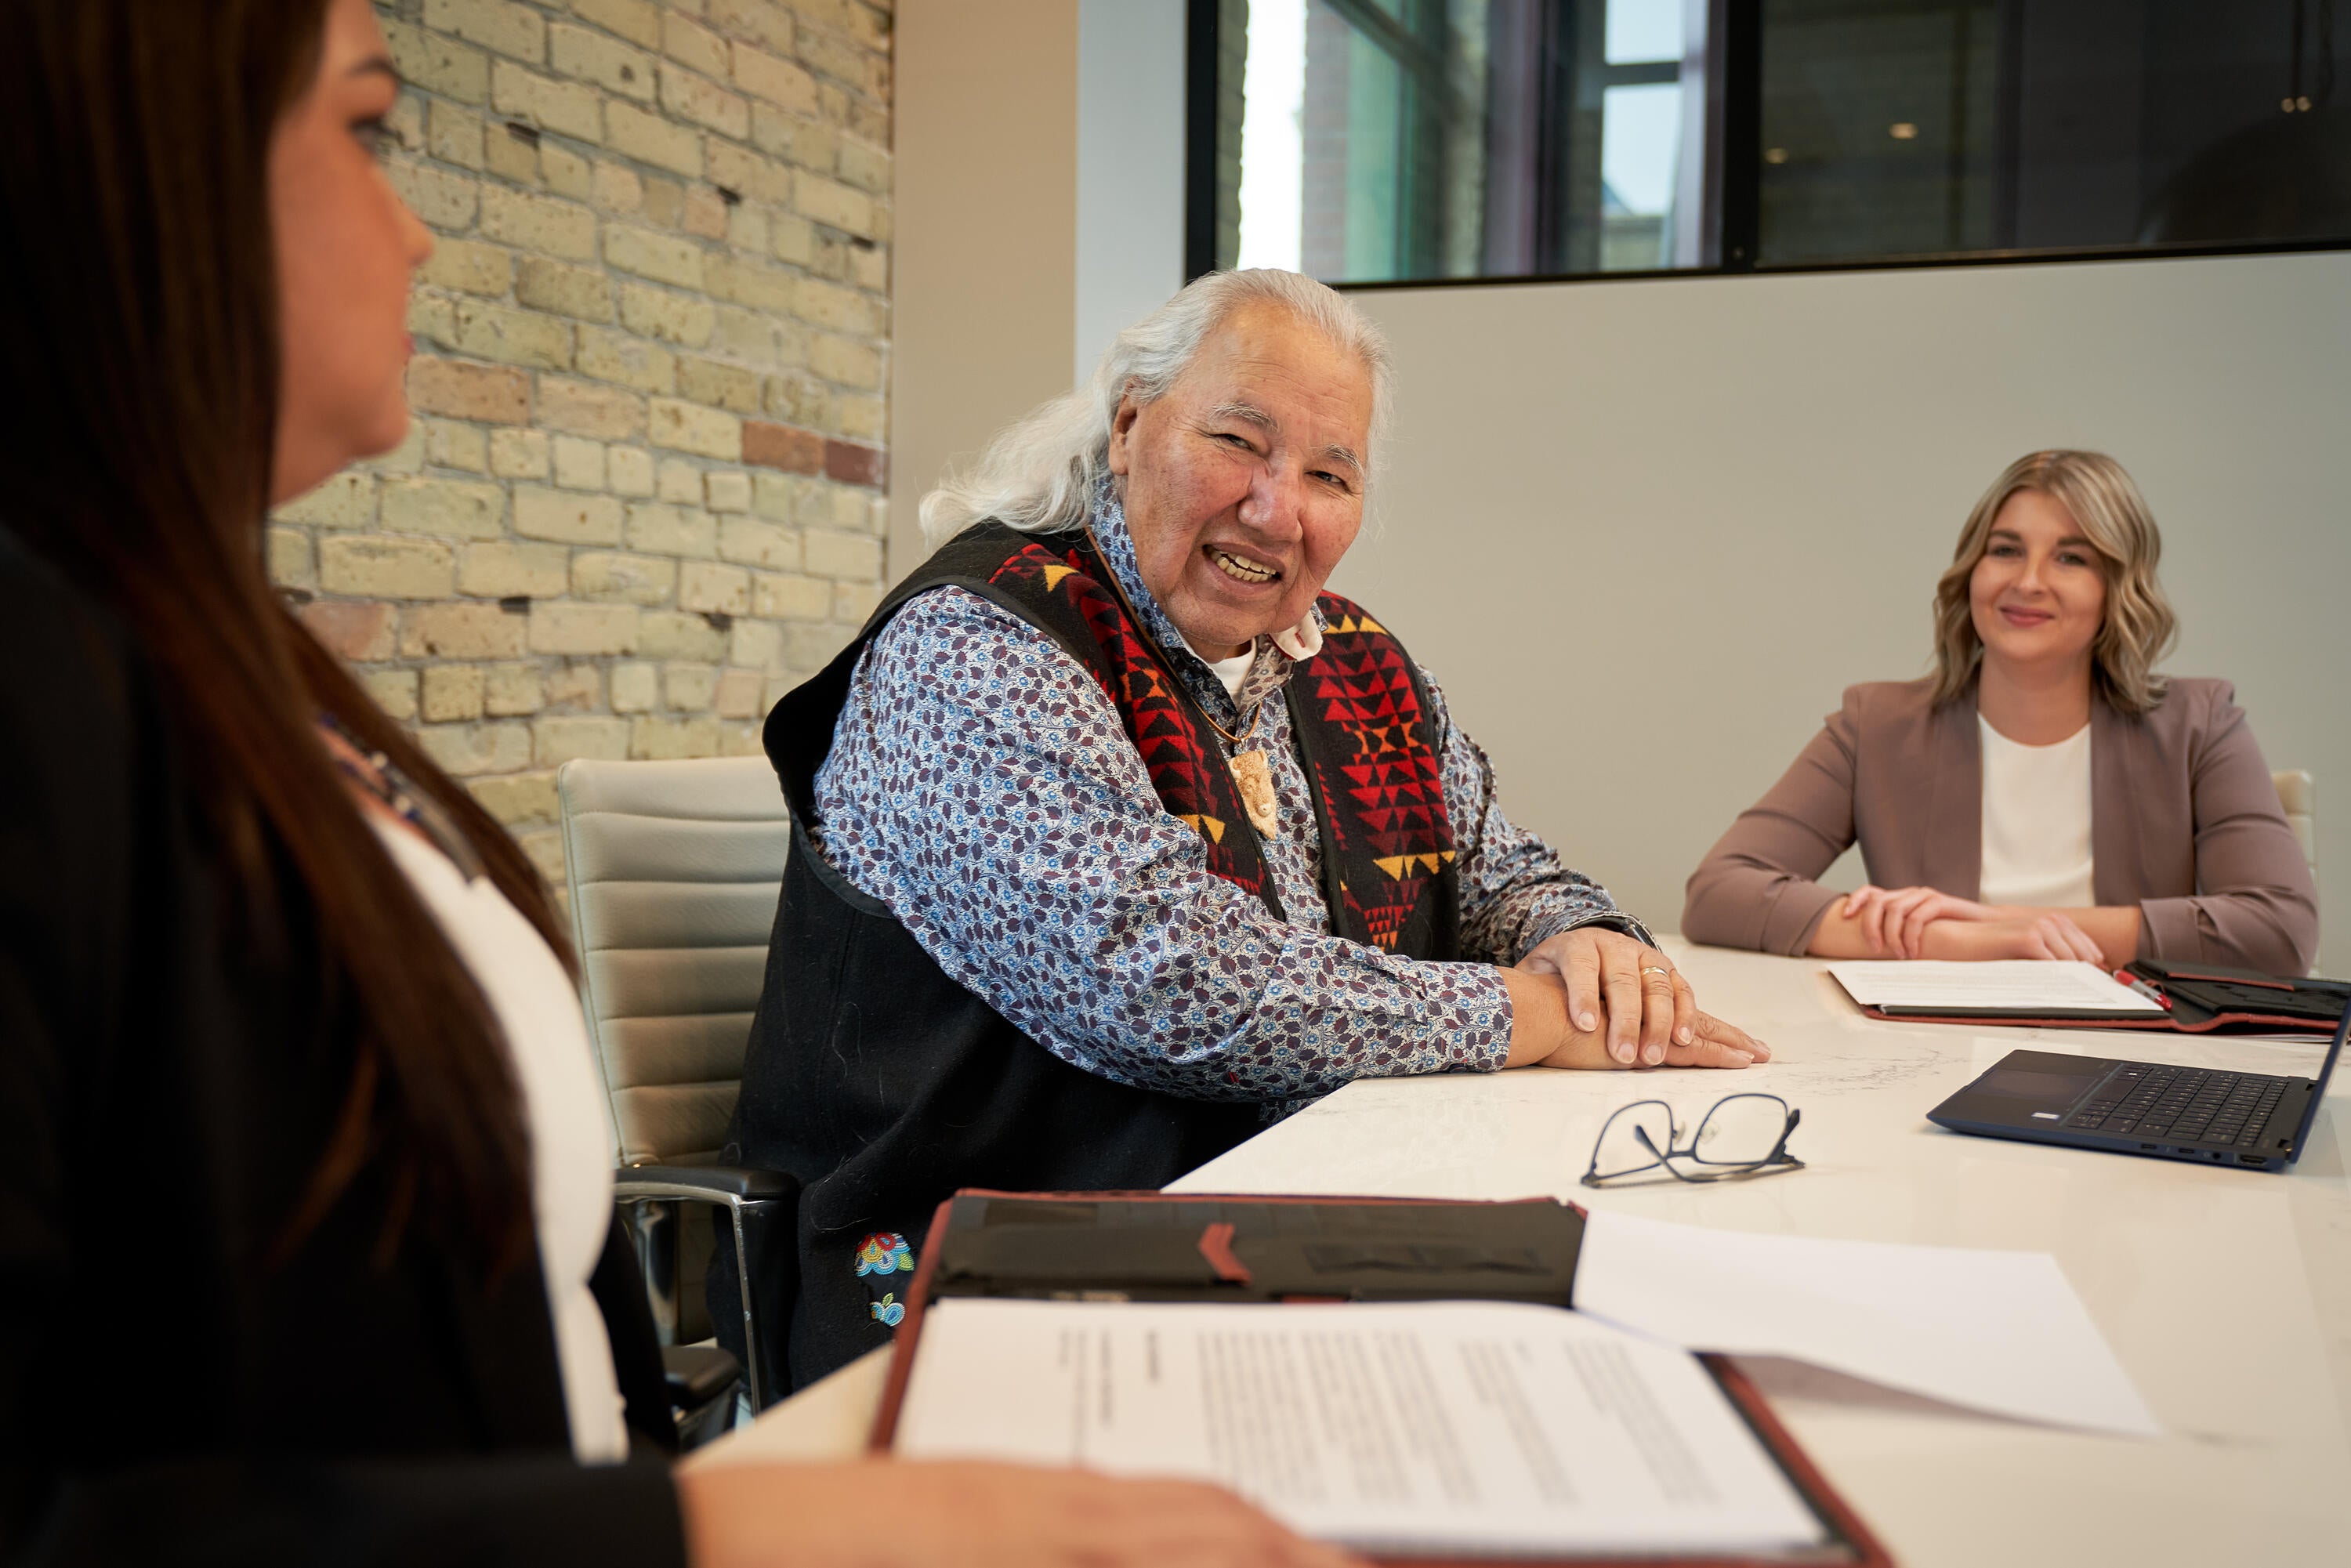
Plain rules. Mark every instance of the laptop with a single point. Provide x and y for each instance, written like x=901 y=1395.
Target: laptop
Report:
x=2255 y=1120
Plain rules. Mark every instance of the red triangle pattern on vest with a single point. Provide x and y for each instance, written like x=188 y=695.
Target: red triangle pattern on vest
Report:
x=1390 y=799
x=1360 y=730
x=1185 y=768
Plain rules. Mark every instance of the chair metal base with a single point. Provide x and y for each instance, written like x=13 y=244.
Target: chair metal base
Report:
x=638 y=1188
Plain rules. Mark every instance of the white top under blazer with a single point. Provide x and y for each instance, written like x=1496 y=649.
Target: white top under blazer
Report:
x=538 y=1011
x=2037 y=821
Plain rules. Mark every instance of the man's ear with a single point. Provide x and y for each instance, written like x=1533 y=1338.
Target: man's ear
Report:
x=1122 y=427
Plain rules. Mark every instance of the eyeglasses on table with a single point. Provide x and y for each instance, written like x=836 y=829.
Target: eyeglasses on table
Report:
x=1741 y=1135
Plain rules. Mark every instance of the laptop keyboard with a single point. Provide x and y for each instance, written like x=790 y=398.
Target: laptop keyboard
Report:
x=2190 y=1104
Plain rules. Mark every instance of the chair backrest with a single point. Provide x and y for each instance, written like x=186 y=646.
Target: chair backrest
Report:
x=675 y=869
x=2298 y=793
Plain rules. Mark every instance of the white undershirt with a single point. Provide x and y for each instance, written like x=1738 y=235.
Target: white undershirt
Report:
x=538 y=1011
x=2037 y=821
x=1232 y=672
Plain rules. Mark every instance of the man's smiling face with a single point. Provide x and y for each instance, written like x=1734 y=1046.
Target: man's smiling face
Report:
x=1244 y=483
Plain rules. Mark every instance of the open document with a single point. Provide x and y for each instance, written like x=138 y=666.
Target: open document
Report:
x=2021 y=987
x=1446 y=1428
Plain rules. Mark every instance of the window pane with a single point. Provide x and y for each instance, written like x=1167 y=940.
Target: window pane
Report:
x=1644 y=30
x=1876 y=129
x=1640 y=139
x=1272 y=221
x=1393 y=140
x=1373 y=110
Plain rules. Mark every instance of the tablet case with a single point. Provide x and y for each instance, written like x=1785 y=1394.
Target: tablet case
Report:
x=1196 y=1247
x=1237 y=1250
x=2206 y=998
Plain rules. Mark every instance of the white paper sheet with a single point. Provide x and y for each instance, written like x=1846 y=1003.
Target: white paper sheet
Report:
x=1454 y=1428
x=2008 y=984
x=2001 y=1331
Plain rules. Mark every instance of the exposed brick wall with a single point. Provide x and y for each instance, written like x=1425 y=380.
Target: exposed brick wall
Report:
x=641 y=494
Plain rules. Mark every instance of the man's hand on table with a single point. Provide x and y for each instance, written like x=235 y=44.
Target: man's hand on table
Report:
x=1592 y=998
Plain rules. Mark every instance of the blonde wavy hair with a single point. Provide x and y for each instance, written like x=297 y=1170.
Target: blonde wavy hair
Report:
x=2138 y=626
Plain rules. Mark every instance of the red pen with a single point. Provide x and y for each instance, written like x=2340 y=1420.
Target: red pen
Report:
x=2143 y=989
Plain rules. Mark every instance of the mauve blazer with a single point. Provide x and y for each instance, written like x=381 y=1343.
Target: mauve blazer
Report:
x=2184 y=822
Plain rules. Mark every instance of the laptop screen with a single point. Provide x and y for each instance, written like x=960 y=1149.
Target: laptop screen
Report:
x=2326 y=1070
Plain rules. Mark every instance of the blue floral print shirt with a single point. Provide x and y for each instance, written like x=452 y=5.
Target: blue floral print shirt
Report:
x=981 y=786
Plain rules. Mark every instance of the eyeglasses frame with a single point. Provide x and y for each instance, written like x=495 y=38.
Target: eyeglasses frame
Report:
x=1772 y=1164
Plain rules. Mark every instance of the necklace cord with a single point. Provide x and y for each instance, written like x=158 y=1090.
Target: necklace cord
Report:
x=1248 y=719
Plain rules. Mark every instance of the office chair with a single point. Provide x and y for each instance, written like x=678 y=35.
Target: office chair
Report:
x=674 y=870
x=2298 y=793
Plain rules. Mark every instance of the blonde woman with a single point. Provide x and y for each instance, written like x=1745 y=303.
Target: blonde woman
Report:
x=2044 y=793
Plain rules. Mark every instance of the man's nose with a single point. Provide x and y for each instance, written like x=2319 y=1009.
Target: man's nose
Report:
x=1276 y=495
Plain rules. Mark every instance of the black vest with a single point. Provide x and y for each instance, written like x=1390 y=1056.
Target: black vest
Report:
x=883 y=1085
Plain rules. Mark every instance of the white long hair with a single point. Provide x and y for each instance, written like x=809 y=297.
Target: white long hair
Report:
x=1039 y=474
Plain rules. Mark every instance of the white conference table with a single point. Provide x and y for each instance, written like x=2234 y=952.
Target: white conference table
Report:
x=2225 y=1294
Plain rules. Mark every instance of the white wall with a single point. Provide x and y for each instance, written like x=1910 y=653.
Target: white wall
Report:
x=985 y=268
x=1645 y=532
x=1039 y=209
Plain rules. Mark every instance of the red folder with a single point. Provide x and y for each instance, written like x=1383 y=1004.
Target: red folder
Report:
x=2264 y=1023
x=1850 y=1541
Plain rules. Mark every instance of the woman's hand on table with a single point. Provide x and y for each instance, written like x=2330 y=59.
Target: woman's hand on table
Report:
x=2021 y=934
x=1922 y=923
x=1894 y=920
x=1592 y=998
x=879 y=1513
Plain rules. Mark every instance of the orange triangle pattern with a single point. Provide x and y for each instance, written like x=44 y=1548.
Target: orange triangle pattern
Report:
x=1383 y=923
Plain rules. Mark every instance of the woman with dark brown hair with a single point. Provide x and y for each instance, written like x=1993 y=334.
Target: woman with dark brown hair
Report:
x=306 y=1244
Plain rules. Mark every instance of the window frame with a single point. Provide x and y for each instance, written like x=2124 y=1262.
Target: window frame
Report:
x=1731 y=210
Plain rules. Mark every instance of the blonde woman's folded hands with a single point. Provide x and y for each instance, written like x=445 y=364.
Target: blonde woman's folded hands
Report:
x=1923 y=923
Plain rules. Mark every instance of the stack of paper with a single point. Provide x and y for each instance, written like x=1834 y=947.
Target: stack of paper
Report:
x=1437 y=1427
x=2015 y=987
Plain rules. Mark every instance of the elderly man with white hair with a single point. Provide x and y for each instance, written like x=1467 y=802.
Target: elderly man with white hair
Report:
x=1116 y=837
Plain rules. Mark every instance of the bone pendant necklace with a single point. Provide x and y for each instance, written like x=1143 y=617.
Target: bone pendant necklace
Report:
x=1255 y=781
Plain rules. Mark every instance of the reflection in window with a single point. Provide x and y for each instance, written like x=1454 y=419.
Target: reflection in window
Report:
x=1893 y=128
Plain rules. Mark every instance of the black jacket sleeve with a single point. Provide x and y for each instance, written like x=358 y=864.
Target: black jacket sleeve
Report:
x=206 y=1467
x=383 y=1514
